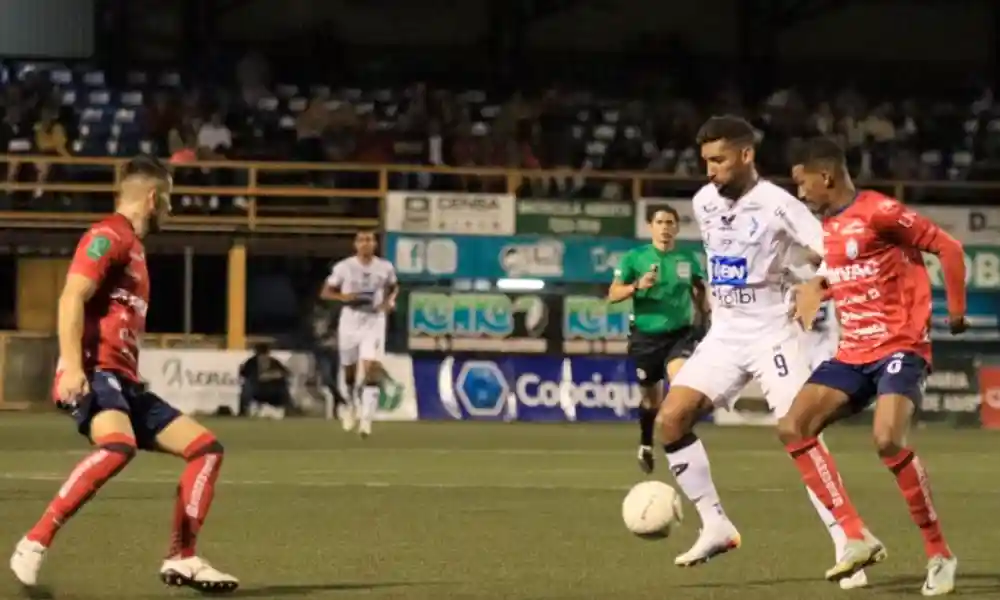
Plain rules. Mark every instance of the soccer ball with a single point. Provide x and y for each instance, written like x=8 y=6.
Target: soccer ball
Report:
x=652 y=510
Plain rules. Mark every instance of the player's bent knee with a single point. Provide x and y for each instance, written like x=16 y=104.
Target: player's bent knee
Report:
x=121 y=444
x=790 y=430
x=679 y=412
x=888 y=441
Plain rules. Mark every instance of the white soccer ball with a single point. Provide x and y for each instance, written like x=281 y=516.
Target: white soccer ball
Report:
x=652 y=510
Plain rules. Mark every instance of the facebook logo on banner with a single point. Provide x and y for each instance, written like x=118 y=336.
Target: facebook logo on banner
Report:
x=728 y=270
x=526 y=389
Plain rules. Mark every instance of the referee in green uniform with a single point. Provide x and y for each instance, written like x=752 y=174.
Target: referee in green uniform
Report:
x=670 y=313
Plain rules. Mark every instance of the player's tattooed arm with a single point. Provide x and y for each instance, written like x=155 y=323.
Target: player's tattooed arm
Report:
x=807 y=299
x=75 y=294
x=702 y=305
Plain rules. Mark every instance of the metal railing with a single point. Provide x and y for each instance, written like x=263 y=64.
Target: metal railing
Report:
x=310 y=196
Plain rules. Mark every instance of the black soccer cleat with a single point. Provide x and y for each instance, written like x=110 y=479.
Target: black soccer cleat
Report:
x=646 y=460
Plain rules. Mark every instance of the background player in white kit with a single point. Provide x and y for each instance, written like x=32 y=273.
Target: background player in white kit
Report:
x=752 y=231
x=367 y=286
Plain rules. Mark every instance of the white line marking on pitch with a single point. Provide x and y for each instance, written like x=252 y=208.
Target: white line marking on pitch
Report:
x=53 y=477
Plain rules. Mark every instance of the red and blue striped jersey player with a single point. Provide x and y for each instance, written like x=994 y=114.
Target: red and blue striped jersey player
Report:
x=102 y=315
x=875 y=274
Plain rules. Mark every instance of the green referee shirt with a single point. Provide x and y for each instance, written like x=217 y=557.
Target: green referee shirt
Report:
x=667 y=306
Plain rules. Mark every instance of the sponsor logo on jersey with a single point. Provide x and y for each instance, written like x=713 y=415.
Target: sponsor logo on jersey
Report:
x=729 y=270
x=851 y=248
x=855 y=227
x=98 y=247
x=137 y=304
x=852 y=272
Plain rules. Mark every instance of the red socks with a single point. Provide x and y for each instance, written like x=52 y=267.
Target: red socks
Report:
x=195 y=493
x=819 y=473
x=112 y=454
x=912 y=481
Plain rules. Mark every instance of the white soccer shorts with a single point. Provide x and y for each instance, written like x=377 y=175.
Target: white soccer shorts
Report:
x=722 y=365
x=362 y=343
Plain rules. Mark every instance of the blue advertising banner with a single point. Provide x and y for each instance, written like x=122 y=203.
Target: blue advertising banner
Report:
x=522 y=388
x=983 y=315
x=562 y=259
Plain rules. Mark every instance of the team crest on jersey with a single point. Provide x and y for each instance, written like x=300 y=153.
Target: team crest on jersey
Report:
x=727 y=221
x=851 y=248
x=684 y=270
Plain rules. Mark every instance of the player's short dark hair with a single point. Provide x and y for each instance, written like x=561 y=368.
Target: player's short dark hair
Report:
x=728 y=128
x=145 y=165
x=670 y=210
x=819 y=151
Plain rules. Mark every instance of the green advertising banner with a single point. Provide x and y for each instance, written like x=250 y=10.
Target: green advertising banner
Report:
x=982 y=265
x=606 y=218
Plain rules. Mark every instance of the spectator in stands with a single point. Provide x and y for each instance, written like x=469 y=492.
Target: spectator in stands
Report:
x=160 y=117
x=310 y=126
x=50 y=140
x=13 y=137
x=264 y=385
x=253 y=75
x=182 y=136
x=215 y=139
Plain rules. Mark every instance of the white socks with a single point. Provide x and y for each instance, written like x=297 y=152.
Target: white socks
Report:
x=689 y=464
x=368 y=404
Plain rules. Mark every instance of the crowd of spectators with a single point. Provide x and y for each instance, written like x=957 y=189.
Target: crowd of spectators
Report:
x=52 y=110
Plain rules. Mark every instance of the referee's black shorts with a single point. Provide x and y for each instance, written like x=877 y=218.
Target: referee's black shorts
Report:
x=650 y=352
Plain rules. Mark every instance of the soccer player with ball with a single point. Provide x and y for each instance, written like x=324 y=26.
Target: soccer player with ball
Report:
x=875 y=273
x=667 y=288
x=752 y=229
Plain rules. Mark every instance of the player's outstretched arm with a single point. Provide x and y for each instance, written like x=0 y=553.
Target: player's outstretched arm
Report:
x=913 y=230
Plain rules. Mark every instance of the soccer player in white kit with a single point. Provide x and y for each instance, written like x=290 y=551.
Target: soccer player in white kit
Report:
x=367 y=286
x=753 y=231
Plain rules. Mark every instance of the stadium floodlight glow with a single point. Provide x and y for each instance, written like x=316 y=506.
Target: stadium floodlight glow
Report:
x=520 y=285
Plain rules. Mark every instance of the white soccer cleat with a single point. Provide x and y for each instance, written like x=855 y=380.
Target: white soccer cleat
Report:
x=364 y=429
x=196 y=573
x=27 y=561
x=856 y=581
x=940 y=576
x=857 y=555
x=714 y=540
x=347 y=420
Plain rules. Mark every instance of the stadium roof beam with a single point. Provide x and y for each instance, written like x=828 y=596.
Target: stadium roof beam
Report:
x=787 y=13
x=224 y=6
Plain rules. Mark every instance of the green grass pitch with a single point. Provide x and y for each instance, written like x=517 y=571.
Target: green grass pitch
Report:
x=481 y=511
